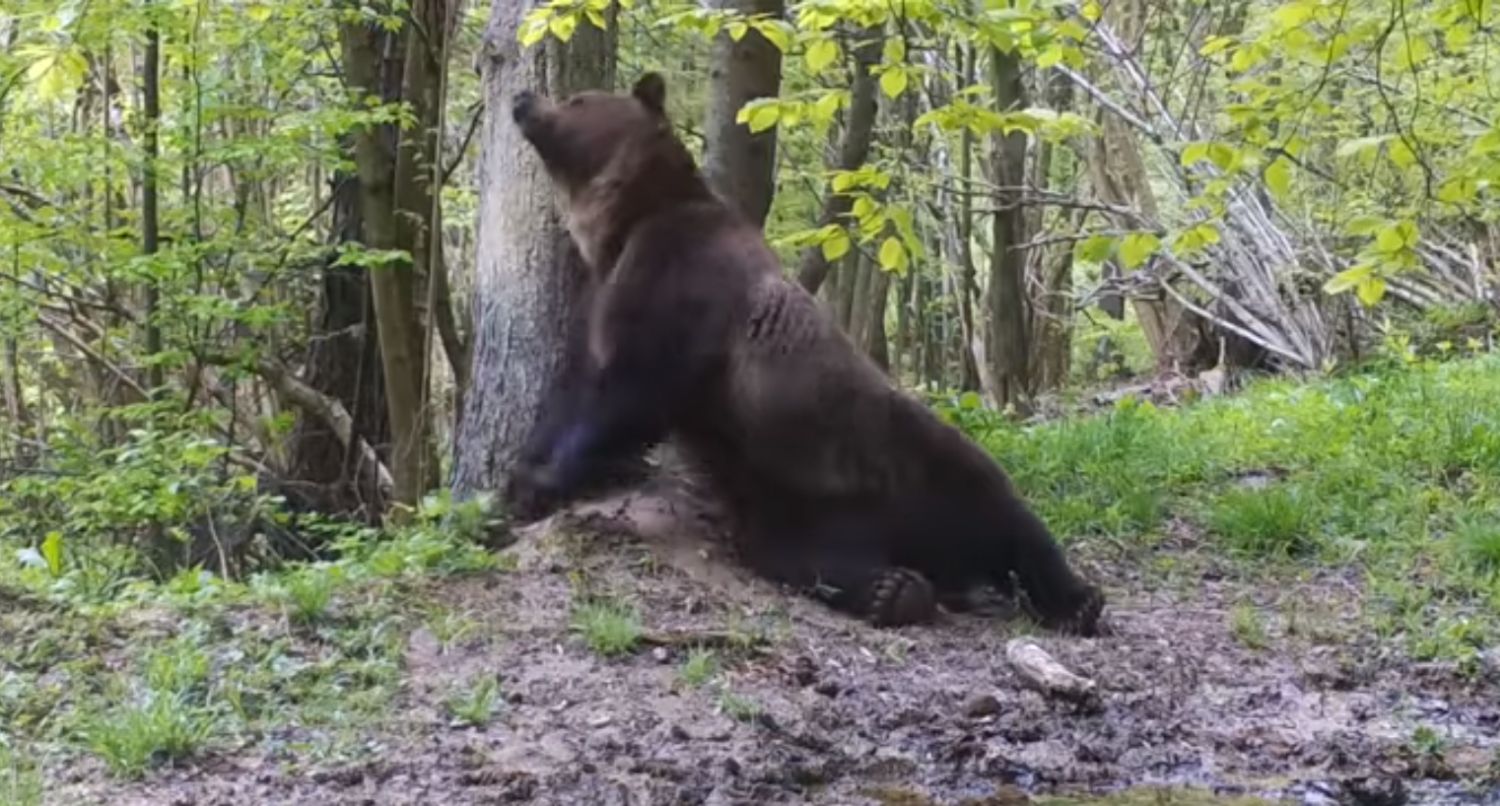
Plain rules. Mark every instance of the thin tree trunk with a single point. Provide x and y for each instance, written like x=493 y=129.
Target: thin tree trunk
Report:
x=392 y=284
x=528 y=277
x=967 y=276
x=418 y=179
x=1053 y=331
x=739 y=165
x=1121 y=179
x=1007 y=345
x=859 y=128
x=343 y=363
x=150 y=220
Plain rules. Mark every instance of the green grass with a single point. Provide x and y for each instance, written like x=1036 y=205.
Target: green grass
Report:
x=737 y=707
x=157 y=672
x=1248 y=627
x=476 y=704
x=608 y=628
x=1276 y=522
x=135 y=737
x=699 y=668
x=1392 y=474
x=20 y=780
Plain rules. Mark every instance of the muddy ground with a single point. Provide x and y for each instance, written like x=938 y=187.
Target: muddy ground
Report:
x=811 y=707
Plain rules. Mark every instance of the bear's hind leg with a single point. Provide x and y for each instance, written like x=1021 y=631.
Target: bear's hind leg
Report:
x=1056 y=595
x=850 y=578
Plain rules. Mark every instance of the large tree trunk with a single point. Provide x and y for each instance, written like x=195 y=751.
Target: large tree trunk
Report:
x=528 y=277
x=1006 y=347
x=859 y=128
x=739 y=165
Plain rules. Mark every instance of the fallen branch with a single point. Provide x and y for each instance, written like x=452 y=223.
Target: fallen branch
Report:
x=1038 y=670
x=325 y=409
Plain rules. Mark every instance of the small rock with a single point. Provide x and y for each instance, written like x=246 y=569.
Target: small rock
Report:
x=804 y=671
x=982 y=706
x=827 y=688
x=600 y=721
x=662 y=655
x=732 y=766
x=679 y=734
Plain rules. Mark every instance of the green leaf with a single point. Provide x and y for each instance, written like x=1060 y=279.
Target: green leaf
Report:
x=737 y=30
x=1245 y=58
x=1091 y=11
x=863 y=208
x=1196 y=239
x=1226 y=156
x=763 y=117
x=1193 y=154
x=893 y=82
x=1050 y=57
x=836 y=246
x=562 y=26
x=1137 y=247
x=826 y=107
x=1401 y=154
x=1360 y=145
x=1094 y=249
x=1458 y=190
x=1370 y=291
x=892 y=254
x=776 y=32
x=894 y=50
x=534 y=27
x=1348 y=278
x=1279 y=176
x=1216 y=44
x=1364 y=225
x=1486 y=144
x=821 y=54
x=1293 y=15
x=52 y=552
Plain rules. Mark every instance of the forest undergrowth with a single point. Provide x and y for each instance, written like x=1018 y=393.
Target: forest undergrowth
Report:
x=1330 y=533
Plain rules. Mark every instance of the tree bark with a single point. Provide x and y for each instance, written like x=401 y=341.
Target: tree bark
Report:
x=343 y=363
x=966 y=277
x=859 y=128
x=739 y=165
x=1121 y=179
x=150 y=193
x=1053 y=331
x=528 y=276
x=1007 y=345
x=392 y=284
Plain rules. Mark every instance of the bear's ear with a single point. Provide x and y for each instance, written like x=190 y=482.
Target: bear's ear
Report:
x=651 y=90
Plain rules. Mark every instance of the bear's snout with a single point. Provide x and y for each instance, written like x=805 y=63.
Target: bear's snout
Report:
x=522 y=105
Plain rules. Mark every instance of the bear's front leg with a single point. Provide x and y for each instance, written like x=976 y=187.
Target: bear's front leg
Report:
x=602 y=441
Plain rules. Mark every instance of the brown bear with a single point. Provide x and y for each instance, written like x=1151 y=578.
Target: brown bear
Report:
x=838 y=483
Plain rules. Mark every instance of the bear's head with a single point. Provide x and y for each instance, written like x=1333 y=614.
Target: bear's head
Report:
x=581 y=136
